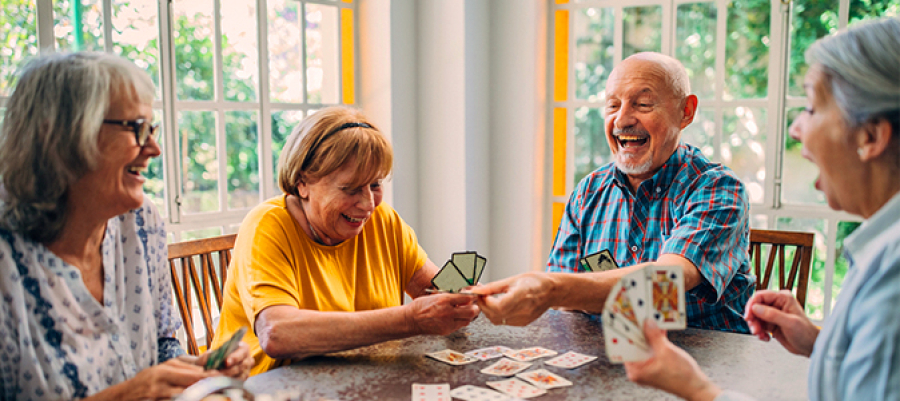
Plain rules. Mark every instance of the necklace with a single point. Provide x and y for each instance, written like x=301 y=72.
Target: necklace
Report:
x=309 y=224
x=314 y=233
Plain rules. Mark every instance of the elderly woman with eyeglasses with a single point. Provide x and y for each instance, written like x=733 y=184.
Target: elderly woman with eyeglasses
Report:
x=324 y=267
x=851 y=130
x=87 y=307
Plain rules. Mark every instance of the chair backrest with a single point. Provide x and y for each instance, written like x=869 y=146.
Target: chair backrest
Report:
x=778 y=242
x=206 y=276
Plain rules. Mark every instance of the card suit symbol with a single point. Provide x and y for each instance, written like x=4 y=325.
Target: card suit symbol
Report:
x=673 y=276
x=656 y=315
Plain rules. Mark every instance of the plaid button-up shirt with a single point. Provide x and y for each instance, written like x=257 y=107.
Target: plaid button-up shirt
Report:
x=690 y=207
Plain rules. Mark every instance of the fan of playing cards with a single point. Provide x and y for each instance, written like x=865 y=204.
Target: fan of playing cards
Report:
x=655 y=292
x=462 y=270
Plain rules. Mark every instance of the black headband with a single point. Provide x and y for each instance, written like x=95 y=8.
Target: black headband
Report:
x=312 y=149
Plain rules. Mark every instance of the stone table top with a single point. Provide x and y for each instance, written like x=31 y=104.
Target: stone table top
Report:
x=386 y=371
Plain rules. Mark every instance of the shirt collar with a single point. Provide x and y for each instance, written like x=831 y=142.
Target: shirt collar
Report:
x=663 y=178
x=866 y=238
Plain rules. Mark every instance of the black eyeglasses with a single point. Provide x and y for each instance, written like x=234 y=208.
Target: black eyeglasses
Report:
x=143 y=130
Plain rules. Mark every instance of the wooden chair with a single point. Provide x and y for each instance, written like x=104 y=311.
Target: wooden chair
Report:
x=206 y=278
x=778 y=242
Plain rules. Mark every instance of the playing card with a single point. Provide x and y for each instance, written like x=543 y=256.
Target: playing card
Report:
x=452 y=357
x=430 y=392
x=475 y=393
x=449 y=278
x=599 y=262
x=480 y=261
x=505 y=367
x=489 y=352
x=217 y=357
x=619 y=313
x=516 y=388
x=570 y=360
x=465 y=262
x=636 y=286
x=529 y=354
x=543 y=378
x=666 y=289
x=621 y=349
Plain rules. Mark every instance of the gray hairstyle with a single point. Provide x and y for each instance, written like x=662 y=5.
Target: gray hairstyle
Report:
x=862 y=64
x=50 y=132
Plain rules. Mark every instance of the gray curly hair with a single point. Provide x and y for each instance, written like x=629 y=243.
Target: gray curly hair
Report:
x=50 y=131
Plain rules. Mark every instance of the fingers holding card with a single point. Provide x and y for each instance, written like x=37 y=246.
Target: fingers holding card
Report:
x=655 y=292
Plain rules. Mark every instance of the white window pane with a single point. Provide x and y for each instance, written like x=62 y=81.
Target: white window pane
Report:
x=240 y=61
x=591 y=147
x=199 y=163
x=593 y=51
x=747 y=50
x=322 y=69
x=285 y=52
x=243 y=158
x=695 y=46
x=193 y=39
x=19 y=25
x=136 y=35
x=702 y=132
x=78 y=26
x=641 y=30
x=798 y=174
x=743 y=148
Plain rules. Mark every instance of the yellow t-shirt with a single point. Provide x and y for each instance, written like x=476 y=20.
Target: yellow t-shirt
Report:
x=275 y=263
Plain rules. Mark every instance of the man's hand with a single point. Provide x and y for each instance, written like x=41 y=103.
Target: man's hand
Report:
x=523 y=298
x=670 y=369
x=780 y=314
x=441 y=313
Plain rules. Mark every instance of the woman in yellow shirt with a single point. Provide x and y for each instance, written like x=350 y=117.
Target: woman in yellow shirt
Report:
x=323 y=267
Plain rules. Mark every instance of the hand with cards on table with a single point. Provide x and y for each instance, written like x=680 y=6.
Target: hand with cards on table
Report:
x=653 y=292
x=463 y=270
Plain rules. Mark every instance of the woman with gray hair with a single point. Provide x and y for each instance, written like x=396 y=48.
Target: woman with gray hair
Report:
x=851 y=131
x=87 y=308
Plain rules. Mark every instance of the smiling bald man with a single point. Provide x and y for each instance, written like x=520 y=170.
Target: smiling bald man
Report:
x=659 y=200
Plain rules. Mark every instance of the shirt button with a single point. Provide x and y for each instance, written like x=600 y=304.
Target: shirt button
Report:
x=658 y=189
x=634 y=248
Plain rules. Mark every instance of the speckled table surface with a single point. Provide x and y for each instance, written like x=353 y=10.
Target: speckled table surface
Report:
x=386 y=371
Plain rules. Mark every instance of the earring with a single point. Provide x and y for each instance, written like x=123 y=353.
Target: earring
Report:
x=859 y=151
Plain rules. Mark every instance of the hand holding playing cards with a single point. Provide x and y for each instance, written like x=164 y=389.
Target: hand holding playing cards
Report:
x=525 y=298
x=441 y=313
x=237 y=364
x=779 y=315
x=670 y=368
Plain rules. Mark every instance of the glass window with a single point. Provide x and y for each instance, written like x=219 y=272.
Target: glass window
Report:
x=194 y=49
x=747 y=50
x=695 y=40
x=285 y=51
x=639 y=30
x=199 y=161
x=743 y=148
x=593 y=52
x=78 y=25
x=239 y=51
x=19 y=26
x=243 y=159
x=322 y=72
x=591 y=147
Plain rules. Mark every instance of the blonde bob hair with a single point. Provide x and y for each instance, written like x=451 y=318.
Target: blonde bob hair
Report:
x=328 y=139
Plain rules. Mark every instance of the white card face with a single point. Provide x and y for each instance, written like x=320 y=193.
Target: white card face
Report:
x=430 y=392
x=636 y=286
x=570 y=360
x=489 y=352
x=619 y=313
x=666 y=288
x=505 y=367
x=621 y=349
x=530 y=354
x=516 y=388
x=452 y=357
x=475 y=393
x=449 y=278
x=544 y=379
x=465 y=262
